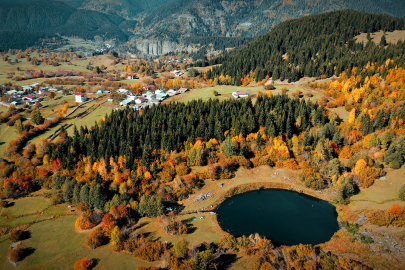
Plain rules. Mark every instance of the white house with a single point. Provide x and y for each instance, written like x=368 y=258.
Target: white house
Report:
x=183 y=90
x=159 y=91
x=80 y=97
x=239 y=94
x=122 y=91
x=172 y=92
x=11 y=92
x=125 y=102
x=131 y=97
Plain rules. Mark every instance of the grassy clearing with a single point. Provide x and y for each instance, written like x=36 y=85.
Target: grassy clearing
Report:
x=23 y=211
x=382 y=194
x=56 y=245
x=55 y=210
x=392 y=37
x=341 y=111
x=88 y=121
x=204 y=229
x=7 y=134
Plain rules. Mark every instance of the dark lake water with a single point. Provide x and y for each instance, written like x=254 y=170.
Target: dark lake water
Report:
x=285 y=217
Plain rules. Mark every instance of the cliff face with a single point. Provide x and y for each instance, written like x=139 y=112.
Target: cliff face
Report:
x=157 y=47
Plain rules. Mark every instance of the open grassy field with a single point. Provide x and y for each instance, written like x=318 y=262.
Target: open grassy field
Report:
x=391 y=37
x=225 y=92
x=87 y=120
x=78 y=42
x=382 y=194
x=23 y=211
x=54 y=243
x=205 y=229
x=6 y=135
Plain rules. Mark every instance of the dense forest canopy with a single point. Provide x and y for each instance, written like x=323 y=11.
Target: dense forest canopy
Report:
x=312 y=46
x=174 y=126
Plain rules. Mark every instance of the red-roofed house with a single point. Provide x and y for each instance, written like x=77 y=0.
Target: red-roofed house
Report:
x=80 y=97
x=140 y=100
x=147 y=87
x=29 y=97
x=131 y=76
x=239 y=94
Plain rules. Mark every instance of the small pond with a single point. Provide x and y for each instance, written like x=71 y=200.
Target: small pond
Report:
x=285 y=217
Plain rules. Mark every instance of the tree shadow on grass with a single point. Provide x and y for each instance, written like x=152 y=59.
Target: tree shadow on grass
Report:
x=225 y=261
x=95 y=262
x=25 y=235
x=140 y=225
x=28 y=251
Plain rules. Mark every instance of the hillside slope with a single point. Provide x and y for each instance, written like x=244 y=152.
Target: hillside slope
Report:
x=124 y=8
x=314 y=45
x=51 y=17
x=247 y=18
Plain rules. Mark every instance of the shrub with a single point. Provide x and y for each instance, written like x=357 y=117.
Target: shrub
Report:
x=151 y=251
x=396 y=210
x=17 y=254
x=16 y=235
x=96 y=239
x=401 y=193
x=215 y=93
x=269 y=87
x=83 y=223
x=83 y=264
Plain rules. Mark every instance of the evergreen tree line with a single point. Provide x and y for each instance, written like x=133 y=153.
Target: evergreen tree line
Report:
x=136 y=135
x=311 y=46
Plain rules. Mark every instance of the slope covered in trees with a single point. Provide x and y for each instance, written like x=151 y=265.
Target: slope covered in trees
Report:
x=312 y=46
x=50 y=17
x=246 y=18
x=123 y=8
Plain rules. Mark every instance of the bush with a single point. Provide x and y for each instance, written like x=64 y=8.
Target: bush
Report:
x=215 y=93
x=16 y=235
x=269 y=87
x=151 y=251
x=96 y=239
x=83 y=223
x=83 y=264
x=401 y=193
x=17 y=254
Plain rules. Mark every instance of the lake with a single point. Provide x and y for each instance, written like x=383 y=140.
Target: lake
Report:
x=285 y=217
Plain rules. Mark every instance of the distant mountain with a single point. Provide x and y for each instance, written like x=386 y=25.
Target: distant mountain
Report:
x=125 y=8
x=51 y=17
x=246 y=18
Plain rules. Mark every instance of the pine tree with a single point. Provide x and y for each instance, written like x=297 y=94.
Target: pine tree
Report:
x=84 y=194
x=76 y=194
x=99 y=197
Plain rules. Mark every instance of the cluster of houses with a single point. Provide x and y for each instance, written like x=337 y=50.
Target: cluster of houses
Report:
x=149 y=98
x=28 y=95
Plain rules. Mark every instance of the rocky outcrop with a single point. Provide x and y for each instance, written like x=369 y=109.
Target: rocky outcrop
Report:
x=156 y=47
